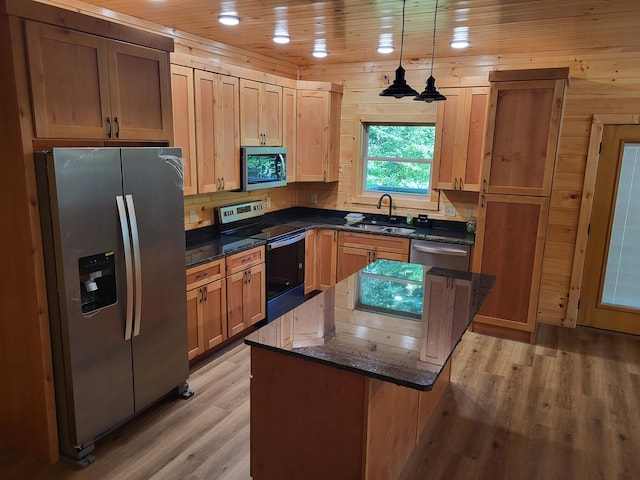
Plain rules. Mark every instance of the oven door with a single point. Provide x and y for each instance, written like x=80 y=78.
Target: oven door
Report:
x=285 y=274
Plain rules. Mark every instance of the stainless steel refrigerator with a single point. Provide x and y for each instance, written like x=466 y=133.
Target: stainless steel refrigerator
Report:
x=113 y=235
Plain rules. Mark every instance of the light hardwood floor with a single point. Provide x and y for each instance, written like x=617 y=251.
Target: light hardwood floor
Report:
x=566 y=408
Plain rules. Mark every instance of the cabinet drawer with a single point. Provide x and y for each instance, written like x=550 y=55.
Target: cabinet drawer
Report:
x=208 y=272
x=374 y=242
x=243 y=260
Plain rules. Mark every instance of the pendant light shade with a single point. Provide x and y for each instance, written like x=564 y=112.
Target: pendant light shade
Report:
x=430 y=94
x=399 y=87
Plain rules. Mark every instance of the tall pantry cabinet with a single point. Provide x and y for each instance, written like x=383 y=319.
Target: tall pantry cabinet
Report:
x=521 y=143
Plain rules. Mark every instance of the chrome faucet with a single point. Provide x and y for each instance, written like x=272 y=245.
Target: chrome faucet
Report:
x=390 y=202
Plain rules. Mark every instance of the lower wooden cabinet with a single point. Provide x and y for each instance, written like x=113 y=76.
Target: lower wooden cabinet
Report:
x=206 y=307
x=246 y=298
x=220 y=306
x=357 y=250
x=510 y=245
x=326 y=255
x=310 y=262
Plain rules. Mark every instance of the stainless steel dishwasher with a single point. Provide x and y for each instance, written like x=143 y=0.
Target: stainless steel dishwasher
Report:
x=440 y=254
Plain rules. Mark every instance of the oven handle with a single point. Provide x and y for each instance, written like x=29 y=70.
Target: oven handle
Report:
x=454 y=252
x=286 y=241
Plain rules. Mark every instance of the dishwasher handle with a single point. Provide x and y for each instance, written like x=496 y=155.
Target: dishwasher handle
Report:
x=453 y=252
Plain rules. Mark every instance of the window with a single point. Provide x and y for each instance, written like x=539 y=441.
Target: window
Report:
x=397 y=158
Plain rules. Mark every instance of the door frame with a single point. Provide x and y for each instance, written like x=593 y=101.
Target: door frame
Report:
x=593 y=159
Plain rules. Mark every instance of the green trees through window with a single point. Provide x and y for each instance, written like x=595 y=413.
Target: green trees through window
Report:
x=398 y=158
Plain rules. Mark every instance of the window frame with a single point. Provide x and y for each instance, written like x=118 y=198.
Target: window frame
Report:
x=401 y=201
x=366 y=158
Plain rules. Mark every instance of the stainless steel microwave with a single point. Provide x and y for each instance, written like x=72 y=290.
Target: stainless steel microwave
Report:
x=263 y=167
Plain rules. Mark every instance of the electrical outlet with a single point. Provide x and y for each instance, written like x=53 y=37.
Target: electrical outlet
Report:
x=468 y=211
x=268 y=202
x=450 y=211
x=314 y=198
x=193 y=218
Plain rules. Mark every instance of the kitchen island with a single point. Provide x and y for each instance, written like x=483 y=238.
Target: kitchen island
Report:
x=343 y=385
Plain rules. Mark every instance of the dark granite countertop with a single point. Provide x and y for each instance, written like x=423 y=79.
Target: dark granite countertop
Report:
x=392 y=321
x=207 y=244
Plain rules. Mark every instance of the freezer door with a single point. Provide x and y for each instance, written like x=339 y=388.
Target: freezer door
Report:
x=92 y=360
x=153 y=187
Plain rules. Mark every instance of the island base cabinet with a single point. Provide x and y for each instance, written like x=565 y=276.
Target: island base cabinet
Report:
x=313 y=421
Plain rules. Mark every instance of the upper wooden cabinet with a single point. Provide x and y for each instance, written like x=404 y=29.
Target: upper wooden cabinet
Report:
x=260 y=113
x=184 y=123
x=318 y=136
x=289 y=132
x=458 y=149
x=523 y=128
x=89 y=87
x=217 y=131
x=207 y=127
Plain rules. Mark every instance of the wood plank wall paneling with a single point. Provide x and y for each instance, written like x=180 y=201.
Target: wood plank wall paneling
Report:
x=602 y=82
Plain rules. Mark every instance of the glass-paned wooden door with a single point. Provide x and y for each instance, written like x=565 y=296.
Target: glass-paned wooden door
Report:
x=610 y=296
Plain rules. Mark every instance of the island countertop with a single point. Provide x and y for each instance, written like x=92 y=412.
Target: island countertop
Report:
x=393 y=321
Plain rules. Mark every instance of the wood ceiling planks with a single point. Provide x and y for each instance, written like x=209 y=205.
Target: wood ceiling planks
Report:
x=352 y=28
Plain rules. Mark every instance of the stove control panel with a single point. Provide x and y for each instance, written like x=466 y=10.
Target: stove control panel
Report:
x=240 y=211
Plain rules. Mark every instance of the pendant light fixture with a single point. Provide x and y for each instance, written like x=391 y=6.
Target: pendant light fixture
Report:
x=430 y=94
x=399 y=87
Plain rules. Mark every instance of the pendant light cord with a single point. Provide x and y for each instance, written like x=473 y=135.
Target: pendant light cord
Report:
x=433 y=46
x=404 y=2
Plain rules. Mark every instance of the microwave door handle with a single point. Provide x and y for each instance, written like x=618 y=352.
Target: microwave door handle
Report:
x=279 y=166
x=287 y=241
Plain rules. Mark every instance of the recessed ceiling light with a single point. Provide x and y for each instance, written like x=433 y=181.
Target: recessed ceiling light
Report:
x=281 y=38
x=229 y=19
x=319 y=53
x=385 y=49
x=460 y=44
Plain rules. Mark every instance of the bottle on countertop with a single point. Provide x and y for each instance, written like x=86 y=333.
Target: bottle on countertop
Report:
x=410 y=217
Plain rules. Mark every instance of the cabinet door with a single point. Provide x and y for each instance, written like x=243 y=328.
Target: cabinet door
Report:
x=312 y=149
x=250 y=129
x=326 y=254
x=289 y=129
x=235 y=303
x=310 y=262
x=350 y=260
x=509 y=245
x=69 y=83
x=271 y=115
x=184 y=132
x=448 y=125
x=140 y=90
x=195 y=337
x=206 y=128
x=459 y=136
x=214 y=317
x=255 y=303
x=228 y=132
x=521 y=142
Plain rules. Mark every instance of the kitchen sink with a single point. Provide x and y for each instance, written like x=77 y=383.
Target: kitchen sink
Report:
x=384 y=228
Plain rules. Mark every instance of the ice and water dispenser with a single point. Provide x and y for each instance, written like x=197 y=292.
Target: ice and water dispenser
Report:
x=97 y=281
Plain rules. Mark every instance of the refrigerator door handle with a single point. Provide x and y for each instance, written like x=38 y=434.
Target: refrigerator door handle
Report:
x=136 y=258
x=124 y=228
